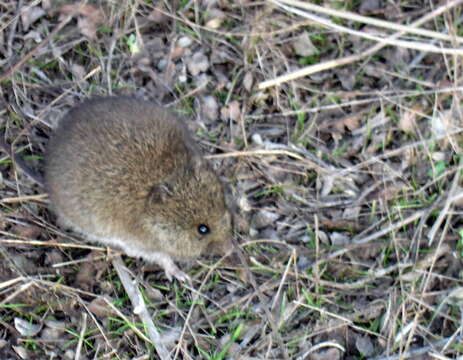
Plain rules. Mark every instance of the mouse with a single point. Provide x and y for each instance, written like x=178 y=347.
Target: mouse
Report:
x=126 y=173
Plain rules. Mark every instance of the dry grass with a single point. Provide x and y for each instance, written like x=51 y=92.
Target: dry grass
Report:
x=340 y=136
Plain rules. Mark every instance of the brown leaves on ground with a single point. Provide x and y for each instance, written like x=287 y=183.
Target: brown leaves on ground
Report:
x=89 y=17
x=328 y=171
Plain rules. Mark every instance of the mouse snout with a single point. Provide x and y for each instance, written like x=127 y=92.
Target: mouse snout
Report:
x=219 y=247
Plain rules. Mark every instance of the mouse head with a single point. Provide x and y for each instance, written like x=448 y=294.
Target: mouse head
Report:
x=188 y=214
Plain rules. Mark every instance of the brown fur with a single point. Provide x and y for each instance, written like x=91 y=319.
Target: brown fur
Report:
x=123 y=168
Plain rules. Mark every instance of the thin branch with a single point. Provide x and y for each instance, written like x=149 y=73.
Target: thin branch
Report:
x=453 y=195
x=374 y=236
x=354 y=58
x=372 y=21
x=420 y=351
x=421 y=46
x=31 y=53
x=139 y=307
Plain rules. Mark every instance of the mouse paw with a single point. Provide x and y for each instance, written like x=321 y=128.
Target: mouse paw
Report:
x=171 y=270
x=175 y=272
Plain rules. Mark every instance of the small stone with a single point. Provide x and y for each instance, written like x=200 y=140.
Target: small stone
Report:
x=438 y=156
x=69 y=354
x=214 y=23
x=162 y=64
x=257 y=139
x=198 y=63
x=210 y=108
x=184 y=42
x=253 y=232
x=248 y=81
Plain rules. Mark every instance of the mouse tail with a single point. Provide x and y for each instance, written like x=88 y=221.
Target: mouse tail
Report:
x=20 y=163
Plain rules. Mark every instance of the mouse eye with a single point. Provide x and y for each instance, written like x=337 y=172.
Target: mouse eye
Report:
x=203 y=229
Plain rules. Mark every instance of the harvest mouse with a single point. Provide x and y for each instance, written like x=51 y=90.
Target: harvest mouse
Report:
x=126 y=173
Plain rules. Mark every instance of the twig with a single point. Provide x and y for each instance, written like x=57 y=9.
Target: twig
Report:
x=415 y=352
x=371 y=21
x=31 y=53
x=421 y=46
x=23 y=198
x=262 y=300
x=354 y=58
x=139 y=307
x=371 y=277
x=18 y=289
x=13 y=27
x=453 y=195
x=374 y=236
x=51 y=243
x=347 y=320
x=353 y=103
x=263 y=152
x=325 y=344
x=98 y=325
x=196 y=294
x=81 y=337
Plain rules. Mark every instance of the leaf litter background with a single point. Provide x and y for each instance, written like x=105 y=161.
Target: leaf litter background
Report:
x=347 y=182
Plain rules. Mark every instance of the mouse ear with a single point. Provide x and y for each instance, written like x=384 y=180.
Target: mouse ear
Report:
x=159 y=193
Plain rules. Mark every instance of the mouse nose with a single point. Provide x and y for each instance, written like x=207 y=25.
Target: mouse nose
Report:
x=219 y=247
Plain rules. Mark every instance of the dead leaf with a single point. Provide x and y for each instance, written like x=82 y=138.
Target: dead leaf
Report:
x=87 y=27
x=303 y=46
x=29 y=15
x=347 y=78
x=339 y=239
x=26 y=328
x=22 y=352
x=177 y=52
x=370 y=6
x=364 y=345
x=327 y=184
x=441 y=124
x=214 y=23
x=408 y=119
x=352 y=122
x=214 y=19
x=235 y=110
x=248 y=81
x=89 y=18
x=99 y=306
x=34 y=35
x=78 y=71
x=90 y=272
x=157 y=16
x=28 y=231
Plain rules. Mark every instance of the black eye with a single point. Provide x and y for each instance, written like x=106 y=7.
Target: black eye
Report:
x=203 y=229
